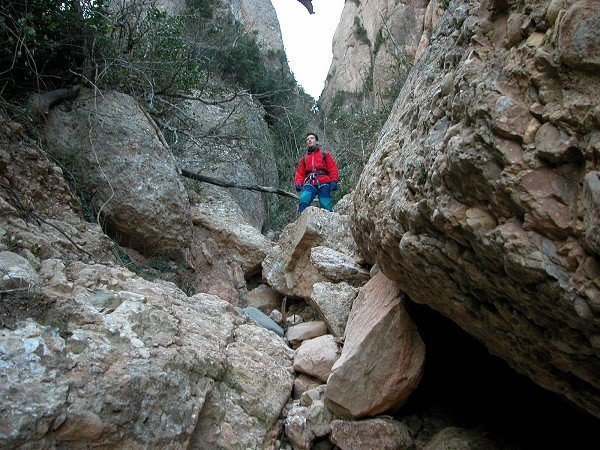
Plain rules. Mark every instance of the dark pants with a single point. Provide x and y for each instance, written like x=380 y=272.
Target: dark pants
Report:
x=309 y=192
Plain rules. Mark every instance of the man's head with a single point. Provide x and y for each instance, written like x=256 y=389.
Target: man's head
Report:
x=312 y=140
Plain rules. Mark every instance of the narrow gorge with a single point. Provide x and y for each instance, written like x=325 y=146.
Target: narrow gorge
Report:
x=450 y=300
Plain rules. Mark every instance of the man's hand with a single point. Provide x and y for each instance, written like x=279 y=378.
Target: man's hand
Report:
x=334 y=186
x=298 y=187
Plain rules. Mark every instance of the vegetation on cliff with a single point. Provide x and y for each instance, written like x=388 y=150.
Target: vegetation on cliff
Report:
x=162 y=56
x=132 y=46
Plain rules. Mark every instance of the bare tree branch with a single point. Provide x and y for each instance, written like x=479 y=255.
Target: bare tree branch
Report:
x=229 y=184
x=206 y=102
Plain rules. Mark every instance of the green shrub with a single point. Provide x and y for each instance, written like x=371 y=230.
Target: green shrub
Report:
x=238 y=59
x=153 y=57
x=368 y=83
x=378 y=41
x=288 y=143
x=361 y=31
x=45 y=41
x=356 y=122
x=204 y=8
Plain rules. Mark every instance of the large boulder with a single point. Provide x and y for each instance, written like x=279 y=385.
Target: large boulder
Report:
x=292 y=267
x=316 y=357
x=225 y=249
x=126 y=173
x=123 y=362
x=244 y=407
x=333 y=302
x=229 y=140
x=383 y=355
x=474 y=199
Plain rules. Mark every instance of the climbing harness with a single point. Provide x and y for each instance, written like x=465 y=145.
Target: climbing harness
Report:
x=312 y=177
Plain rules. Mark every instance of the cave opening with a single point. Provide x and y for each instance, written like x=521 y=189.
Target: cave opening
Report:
x=477 y=390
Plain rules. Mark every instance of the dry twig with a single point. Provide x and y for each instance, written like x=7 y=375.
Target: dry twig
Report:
x=230 y=184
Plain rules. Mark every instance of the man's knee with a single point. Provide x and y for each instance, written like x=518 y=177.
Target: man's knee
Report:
x=306 y=197
x=325 y=199
x=327 y=203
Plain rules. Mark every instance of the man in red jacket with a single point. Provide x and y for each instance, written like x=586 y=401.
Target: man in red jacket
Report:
x=317 y=174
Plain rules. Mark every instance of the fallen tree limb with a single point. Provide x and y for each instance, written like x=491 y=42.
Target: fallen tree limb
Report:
x=230 y=184
x=41 y=103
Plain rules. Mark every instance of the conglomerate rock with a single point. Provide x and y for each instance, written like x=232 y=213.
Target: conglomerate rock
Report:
x=40 y=216
x=225 y=249
x=16 y=272
x=473 y=200
x=305 y=423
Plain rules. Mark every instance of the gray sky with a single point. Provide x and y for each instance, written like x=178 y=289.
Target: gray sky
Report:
x=307 y=39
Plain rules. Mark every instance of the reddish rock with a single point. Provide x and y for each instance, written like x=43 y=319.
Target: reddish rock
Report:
x=591 y=201
x=555 y=145
x=579 y=36
x=303 y=383
x=315 y=357
x=383 y=355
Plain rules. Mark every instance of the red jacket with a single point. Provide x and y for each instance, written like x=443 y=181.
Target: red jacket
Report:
x=319 y=163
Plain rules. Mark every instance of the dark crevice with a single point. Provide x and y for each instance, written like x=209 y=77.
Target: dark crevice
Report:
x=481 y=391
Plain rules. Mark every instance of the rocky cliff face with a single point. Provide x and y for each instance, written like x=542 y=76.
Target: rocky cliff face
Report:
x=256 y=16
x=229 y=141
x=94 y=355
x=481 y=198
x=259 y=16
x=125 y=171
x=374 y=45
